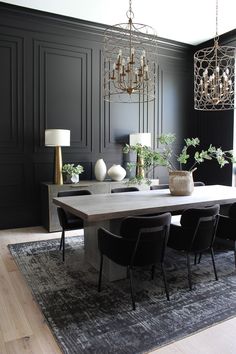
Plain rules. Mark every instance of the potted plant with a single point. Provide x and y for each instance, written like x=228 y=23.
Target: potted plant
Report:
x=71 y=172
x=179 y=166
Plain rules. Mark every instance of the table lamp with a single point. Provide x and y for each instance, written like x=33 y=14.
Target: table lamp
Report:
x=144 y=139
x=57 y=138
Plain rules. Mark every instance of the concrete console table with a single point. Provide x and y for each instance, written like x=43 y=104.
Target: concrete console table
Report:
x=49 y=191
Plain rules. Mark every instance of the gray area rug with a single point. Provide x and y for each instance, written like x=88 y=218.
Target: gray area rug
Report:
x=85 y=321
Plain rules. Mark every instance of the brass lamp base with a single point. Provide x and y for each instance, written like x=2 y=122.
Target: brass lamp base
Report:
x=58 y=166
x=139 y=167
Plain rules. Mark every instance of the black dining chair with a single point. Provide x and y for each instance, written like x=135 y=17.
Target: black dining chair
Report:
x=166 y=185
x=159 y=186
x=195 y=234
x=142 y=242
x=69 y=221
x=199 y=184
x=226 y=229
x=124 y=189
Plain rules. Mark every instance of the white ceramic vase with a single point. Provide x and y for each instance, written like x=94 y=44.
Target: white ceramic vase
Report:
x=116 y=172
x=100 y=170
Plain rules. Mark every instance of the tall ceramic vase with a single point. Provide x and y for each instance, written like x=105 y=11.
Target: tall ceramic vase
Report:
x=181 y=182
x=100 y=170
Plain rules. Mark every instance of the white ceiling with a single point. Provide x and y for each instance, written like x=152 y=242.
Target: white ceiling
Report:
x=187 y=21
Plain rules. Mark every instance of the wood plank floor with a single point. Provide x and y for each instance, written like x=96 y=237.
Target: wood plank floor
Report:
x=23 y=329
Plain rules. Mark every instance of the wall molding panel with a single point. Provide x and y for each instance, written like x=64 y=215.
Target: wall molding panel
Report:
x=11 y=73
x=62 y=86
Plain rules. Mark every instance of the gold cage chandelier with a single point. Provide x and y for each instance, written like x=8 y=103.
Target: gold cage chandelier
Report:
x=214 y=76
x=130 y=56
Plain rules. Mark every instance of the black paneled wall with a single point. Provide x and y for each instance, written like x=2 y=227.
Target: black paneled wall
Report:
x=51 y=70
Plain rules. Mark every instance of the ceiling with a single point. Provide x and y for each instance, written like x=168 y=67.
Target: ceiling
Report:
x=187 y=21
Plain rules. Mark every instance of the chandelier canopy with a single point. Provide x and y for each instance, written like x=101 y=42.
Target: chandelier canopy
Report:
x=214 y=76
x=130 y=56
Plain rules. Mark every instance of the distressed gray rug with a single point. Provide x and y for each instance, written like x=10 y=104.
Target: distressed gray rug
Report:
x=85 y=321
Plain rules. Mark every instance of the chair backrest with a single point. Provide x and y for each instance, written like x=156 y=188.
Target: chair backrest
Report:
x=150 y=234
x=198 y=184
x=232 y=211
x=124 y=189
x=159 y=186
x=166 y=186
x=63 y=215
x=200 y=225
x=71 y=193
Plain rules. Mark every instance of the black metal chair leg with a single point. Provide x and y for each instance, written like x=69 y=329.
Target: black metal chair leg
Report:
x=189 y=272
x=63 y=246
x=199 y=258
x=131 y=286
x=165 y=281
x=195 y=259
x=62 y=236
x=213 y=262
x=235 y=253
x=100 y=274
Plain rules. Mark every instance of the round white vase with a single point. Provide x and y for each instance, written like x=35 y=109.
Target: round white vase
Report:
x=100 y=170
x=116 y=172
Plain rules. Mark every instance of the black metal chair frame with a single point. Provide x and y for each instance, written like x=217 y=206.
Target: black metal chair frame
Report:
x=227 y=227
x=201 y=220
x=135 y=244
x=64 y=216
x=166 y=185
x=124 y=189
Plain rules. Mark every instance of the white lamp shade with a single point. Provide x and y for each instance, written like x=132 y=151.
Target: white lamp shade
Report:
x=57 y=137
x=140 y=138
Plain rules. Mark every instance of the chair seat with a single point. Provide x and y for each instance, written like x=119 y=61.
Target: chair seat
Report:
x=74 y=224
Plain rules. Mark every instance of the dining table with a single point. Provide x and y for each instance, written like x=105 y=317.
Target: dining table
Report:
x=108 y=210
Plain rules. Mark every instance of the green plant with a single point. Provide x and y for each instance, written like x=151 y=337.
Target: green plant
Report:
x=165 y=155
x=71 y=169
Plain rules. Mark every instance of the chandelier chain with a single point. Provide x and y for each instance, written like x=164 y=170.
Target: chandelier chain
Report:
x=216 y=18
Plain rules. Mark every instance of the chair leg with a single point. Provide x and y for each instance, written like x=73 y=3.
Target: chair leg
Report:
x=189 y=272
x=235 y=253
x=165 y=281
x=100 y=274
x=199 y=258
x=213 y=262
x=62 y=236
x=63 y=247
x=131 y=286
x=195 y=259
x=62 y=244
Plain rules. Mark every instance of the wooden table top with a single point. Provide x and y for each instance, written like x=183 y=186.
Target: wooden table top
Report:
x=98 y=207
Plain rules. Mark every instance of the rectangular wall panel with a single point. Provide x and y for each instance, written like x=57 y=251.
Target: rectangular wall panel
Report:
x=11 y=70
x=62 y=92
